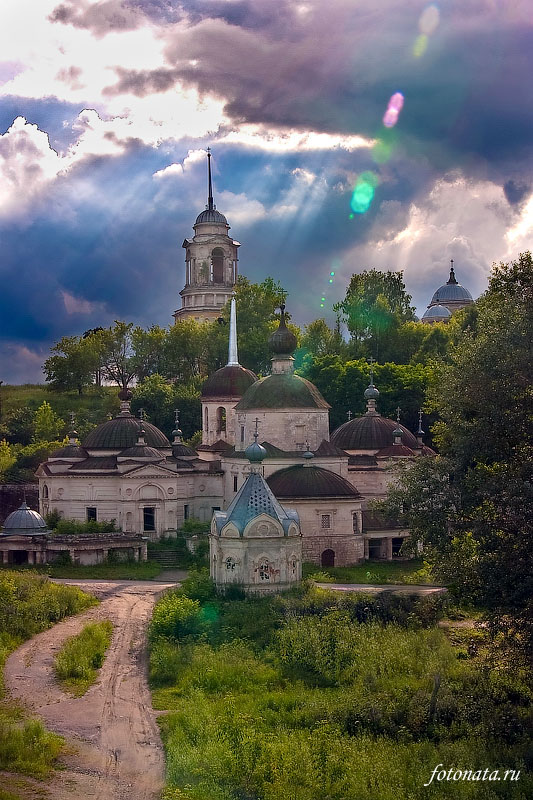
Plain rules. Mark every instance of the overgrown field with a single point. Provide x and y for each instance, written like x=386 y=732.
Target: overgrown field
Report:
x=78 y=661
x=29 y=603
x=313 y=695
x=126 y=570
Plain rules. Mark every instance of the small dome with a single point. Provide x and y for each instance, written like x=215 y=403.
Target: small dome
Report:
x=371 y=393
x=122 y=432
x=24 y=521
x=282 y=341
x=395 y=451
x=69 y=451
x=143 y=451
x=437 y=312
x=309 y=481
x=228 y=382
x=211 y=215
x=370 y=432
x=180 y=450
x=255 y=453
x=281 y=390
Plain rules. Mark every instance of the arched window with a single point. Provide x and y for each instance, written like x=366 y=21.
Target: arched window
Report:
x=231 y=564
x=217 y=265
x=45 y=492
x=327 y=558
x=221 y=419
x=206 y=420
x=264 y=570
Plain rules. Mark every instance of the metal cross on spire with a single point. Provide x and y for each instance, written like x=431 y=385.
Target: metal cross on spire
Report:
x=349 y=415
x=72 y=418
x=142 y=414
x=398 y=410
x=256 y=433
x=177 y=417
x=210 y=204
x=371 y=361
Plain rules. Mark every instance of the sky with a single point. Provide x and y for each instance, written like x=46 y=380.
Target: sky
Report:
x=346 y=135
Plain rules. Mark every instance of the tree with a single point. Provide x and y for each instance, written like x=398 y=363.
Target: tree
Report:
x=19 y=426
x=343 y=384
x=7 y=457
x=374 y=307
x=478 y=526
x=76 y=363
x=48 y=424
x=160 y=400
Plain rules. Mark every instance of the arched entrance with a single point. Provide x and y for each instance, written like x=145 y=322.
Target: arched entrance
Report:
x=327 y=559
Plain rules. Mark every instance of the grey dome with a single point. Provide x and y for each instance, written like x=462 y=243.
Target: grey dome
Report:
x=24 y=521
x=370 y=432
x=371 y=393
x=211 y=215
x=122 y=432
x=437 y=312
x=451 y=292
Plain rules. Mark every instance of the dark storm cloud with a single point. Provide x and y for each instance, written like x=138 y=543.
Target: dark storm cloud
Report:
x=516 y=191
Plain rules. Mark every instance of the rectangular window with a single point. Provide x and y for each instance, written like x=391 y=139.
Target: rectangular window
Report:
x=235 y=483
x=326 y=521
x=355 y=523
x=185 y=512
x=149 y=518
x=215 y=508
x=242 y=434
x=91 y=514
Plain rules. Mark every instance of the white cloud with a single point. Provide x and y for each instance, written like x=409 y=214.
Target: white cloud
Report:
x=469 y=221
x=27 y=164
x=281 y=141
x=240 y=209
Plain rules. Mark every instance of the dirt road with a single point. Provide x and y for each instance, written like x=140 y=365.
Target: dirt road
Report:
x=115 y=751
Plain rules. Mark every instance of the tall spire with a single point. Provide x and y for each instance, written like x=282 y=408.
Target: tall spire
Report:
x=397 y=433
x=233 y=357
x=210 y=204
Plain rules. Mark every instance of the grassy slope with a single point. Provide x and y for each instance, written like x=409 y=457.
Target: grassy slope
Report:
x=94 y=402
x=313 y=695
x=130 y=570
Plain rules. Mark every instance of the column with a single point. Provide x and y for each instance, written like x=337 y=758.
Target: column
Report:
x=136 y=553
x=388 y=549
x=5 y=557
x=31 y=557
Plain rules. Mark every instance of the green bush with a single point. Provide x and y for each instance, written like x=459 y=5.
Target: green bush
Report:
x=80 y=657
x=176 y=617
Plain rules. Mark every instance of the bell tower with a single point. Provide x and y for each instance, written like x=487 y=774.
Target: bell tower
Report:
x=210 y=263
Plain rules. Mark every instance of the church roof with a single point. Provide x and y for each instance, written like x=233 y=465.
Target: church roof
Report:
x=326 y=448
x=282 y=390
x=437 y=312
x=141 y=451
x=307 y=481
x=370 y=432
x=254 y=498
x=24 y=521
x=122 y=432
x=211 y=215
x=395 y=451
x=229 y=381
x=95 y=463
x=69 y=451
x=451 y=291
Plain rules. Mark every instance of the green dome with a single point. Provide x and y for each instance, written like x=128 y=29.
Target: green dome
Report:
x=282 y=390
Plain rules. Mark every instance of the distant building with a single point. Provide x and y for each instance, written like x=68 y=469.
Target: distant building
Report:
x=210 y=264
x=448 y=298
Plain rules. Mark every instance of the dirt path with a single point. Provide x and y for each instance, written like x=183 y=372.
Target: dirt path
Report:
x=115 y=751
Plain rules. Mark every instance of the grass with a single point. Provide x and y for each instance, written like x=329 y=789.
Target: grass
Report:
x=372 y=572
x=29 y=603
x=128 y=570
x=79 y=659
x=312 y=694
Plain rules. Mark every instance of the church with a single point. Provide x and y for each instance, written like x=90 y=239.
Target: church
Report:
x=315 y=486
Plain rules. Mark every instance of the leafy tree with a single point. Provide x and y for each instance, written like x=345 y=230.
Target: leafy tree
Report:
x=7 y=457
x=19 y=426
x=374 y=307
x=148 y=347
x=156 y=396
x=76 y=363
x=28 y=459
x=474 y=511
x=319 y=339
x=48 y=424
x=184 y=350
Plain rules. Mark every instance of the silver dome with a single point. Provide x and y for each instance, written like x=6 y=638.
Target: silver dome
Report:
x=451 y=292
x=24 y=521
x=437 y=312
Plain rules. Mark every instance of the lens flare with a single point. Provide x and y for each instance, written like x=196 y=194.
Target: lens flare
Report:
x=429 y=20
x=363 y=192
x=390 y=117
x=420 y=46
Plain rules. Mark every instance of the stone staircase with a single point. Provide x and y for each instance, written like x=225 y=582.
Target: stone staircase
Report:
x=168 y=557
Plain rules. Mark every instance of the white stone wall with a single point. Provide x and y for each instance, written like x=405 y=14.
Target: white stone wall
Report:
x=212 y=433
x=288 y=429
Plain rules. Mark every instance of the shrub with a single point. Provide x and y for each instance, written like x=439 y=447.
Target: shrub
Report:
x=176 y=617
x=198 y=585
